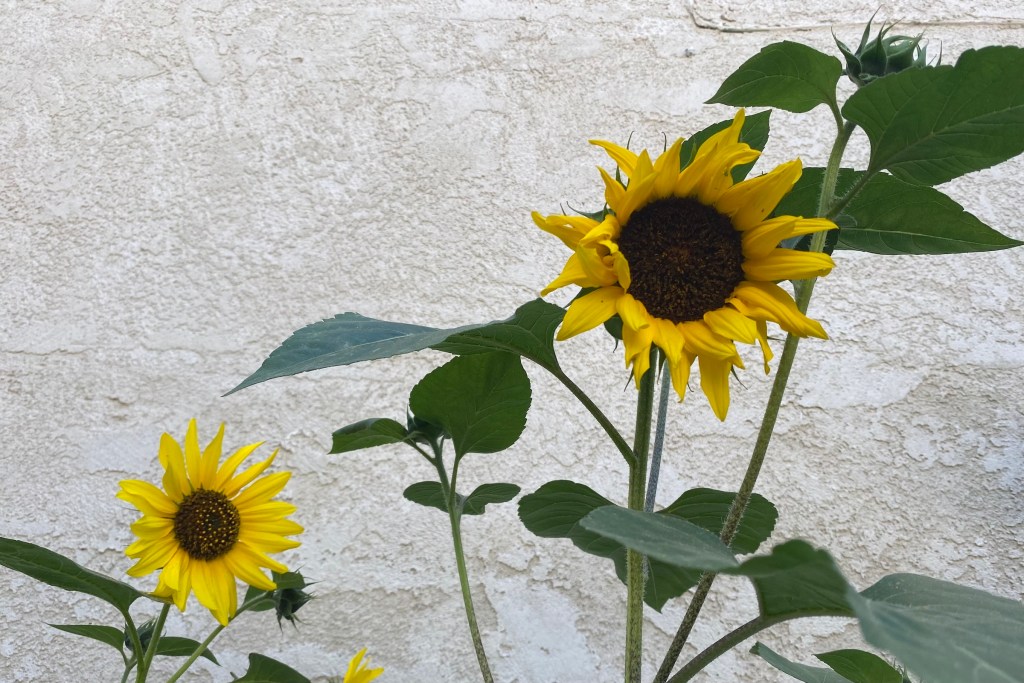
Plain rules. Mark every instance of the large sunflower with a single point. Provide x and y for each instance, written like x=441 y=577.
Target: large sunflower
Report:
x=689 y=260
x=209 y=525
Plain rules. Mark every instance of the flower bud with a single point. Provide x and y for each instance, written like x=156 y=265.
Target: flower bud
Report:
x=882 y=55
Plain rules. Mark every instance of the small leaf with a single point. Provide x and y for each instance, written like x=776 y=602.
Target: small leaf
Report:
x=529 y=333
x=708 y=508
x=342 y=340
x=933 y=124
x=427 y=493
x=754 y=133
x=56 y=570
x=480 y=400
x=671 y=540
x=861 y=667
x=105 y=634
x=942 y=632
x=367 y=434
x=890 y=216
x=485 y=494
x=784 y=75
x=175 y=646
x=801 y=672
x=266 y=670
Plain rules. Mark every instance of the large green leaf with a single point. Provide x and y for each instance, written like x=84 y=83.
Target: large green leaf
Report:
x=556 y=508
x=796 y=579
x=529 y=333
x=934 y=124
x=266 y=670
x=858 y=666
x=480 y=400
x=801 y=672
x=890 y=216
x=754 y=133
x=54 y=569
x=942 y=632
x=485 y=495
x=367 y=434
x=784 y=75
x=345 y=339
x=114 y=637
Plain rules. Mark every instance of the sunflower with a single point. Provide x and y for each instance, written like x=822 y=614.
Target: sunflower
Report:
x=358 y=671
x=209 y=525
x=689 y=260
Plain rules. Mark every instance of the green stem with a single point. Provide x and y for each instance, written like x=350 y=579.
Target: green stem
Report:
x=455 y=518
x=659 y=440
x=635 y=574
x=734 y=638
x=804 y=289
x=147 y=659
x=133 y=636
x=606 y=424
x=202 y=647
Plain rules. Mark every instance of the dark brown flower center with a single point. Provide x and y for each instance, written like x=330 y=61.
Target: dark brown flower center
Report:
x=206 y=524
x=685 y=258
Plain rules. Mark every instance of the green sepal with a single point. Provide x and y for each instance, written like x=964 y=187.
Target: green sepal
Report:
x=58 y=571
x=480 y=400
x=114 y=637
x=933 y=124
x=786 y=75
x=263 y=669
x=890 y=216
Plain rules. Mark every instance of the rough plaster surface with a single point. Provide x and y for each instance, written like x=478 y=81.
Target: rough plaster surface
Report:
x=184 y=183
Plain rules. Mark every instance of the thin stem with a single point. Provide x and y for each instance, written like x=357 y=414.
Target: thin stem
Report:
x=804 y=289
x=659 y=440
x=734 y=638
x=147 y=659
x=202 y=647
x=602 y=420
x=133 y=636
x=635 y=574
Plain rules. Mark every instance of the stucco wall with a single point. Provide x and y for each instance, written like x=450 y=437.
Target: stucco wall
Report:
x=185 y=183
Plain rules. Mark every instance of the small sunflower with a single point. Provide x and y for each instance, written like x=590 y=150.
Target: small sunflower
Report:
x=689 y=260
x=209 y=525
x=358 y=671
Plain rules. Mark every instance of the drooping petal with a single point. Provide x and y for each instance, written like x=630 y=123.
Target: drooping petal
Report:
x=714 y=380
x=768 y=301
x=589 y=311
x=638 y=350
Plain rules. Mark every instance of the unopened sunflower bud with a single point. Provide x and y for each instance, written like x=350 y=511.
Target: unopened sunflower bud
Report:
x=882 y=55
x=289 y=596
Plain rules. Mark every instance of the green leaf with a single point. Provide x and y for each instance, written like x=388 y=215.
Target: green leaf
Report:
x=754 y=132
x=933 y=124
x=668 y=539
x=485 y=494
x=797 y=579
x=480 y=400
x=861 y=667
x=708 y=508
x=266 y=670
x=784 y=75
x=529 y=333
x=56 y=570
x=890 y=216
x=342 y=340
x=105 y=634
x=801 y=672
x=367 y=434
x=942 y=632
x=175 y=646
x=556 y=508
x=427 y=493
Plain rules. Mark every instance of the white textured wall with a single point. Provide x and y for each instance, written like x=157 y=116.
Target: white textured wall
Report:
x=184 y=183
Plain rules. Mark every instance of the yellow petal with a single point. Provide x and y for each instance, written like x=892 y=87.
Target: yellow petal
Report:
x=732 y=324
x=192 y=456
x=632 y=312
x=227 y=470
x=788 y=264
x=768 y=301
x=262 y=490
x=762 y=340
x=637 y=194
x=239 y=562
x=614 y=192
x=589 y=311
x=210 y=459
x=751 y=201
x=569 y=229
x=175 y=480
x=699 y=340
x=623 y=158
x=638 y=350
x=236 y=483
x=148 y=498
x=667 y=170
x=714 y=380
x=572 y=274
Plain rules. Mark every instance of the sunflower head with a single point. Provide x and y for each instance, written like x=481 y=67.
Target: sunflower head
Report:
x=209 y=524
x=688 y=260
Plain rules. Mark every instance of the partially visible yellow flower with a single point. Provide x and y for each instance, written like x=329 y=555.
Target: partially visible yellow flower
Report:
x=358 y=671
x=209 y=525
x=689 y=260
